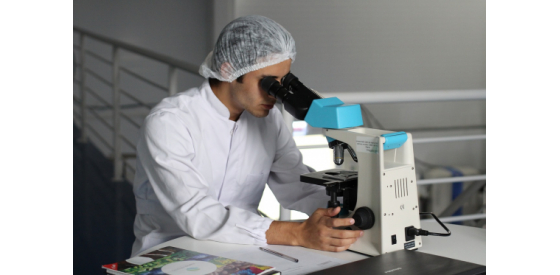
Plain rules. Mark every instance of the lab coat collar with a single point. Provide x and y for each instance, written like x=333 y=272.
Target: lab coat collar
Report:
x=207 y=93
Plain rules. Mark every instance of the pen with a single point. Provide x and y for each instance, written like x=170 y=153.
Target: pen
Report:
x=279 y=254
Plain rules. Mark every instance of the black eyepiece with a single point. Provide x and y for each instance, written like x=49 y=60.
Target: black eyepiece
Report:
x=292 y=93
x=273 y=88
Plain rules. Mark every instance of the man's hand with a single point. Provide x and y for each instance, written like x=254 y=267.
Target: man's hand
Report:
x=317 y=232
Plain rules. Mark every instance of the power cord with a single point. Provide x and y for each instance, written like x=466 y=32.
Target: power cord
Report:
x=412 y=231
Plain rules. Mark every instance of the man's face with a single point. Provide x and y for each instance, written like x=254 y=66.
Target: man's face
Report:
x=250 y=96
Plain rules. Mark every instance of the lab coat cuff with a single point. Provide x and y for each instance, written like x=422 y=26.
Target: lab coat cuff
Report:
x=257 y=231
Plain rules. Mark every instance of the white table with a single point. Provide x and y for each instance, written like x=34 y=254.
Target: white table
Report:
x=465 y=244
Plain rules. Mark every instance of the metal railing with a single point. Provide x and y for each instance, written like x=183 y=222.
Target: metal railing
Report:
x=117 y=69
x=408 y=96
x=114 y=125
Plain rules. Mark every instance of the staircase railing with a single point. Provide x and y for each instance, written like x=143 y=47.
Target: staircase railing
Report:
x=117 y=69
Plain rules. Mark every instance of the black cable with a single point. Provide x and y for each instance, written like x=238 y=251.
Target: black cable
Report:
x=412 y=231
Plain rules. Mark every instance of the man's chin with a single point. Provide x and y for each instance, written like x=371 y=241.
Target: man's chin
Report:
x=259 y=113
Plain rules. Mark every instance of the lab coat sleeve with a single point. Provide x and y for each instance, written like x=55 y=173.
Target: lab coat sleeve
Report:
x=284 y=177
x=166 y=150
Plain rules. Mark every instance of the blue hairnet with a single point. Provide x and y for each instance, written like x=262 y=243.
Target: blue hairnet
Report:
x=247 y=44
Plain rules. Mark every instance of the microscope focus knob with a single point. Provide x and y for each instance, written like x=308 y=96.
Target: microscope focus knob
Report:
x=364 y=218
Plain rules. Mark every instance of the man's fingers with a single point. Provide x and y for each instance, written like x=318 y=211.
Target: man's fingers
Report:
x=333 y=211
x=336 y=222
x=322 y=235
x=342 y=242
x=322 y=212
x=345 y=234
x=336 y=248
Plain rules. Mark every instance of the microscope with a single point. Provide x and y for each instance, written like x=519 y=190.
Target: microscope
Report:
x=382 y=195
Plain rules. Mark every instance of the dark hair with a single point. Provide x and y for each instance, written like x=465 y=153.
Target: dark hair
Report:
x=214 y=81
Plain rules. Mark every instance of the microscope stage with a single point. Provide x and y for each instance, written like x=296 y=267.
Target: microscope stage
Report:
x=327 y=177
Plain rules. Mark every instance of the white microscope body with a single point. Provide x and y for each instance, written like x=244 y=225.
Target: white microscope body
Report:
x=384 y=194
x=387 y=186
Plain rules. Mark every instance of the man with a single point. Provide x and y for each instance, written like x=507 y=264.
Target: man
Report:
x=205 y=155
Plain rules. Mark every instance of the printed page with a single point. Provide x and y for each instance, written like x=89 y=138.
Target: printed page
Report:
x=308 y=260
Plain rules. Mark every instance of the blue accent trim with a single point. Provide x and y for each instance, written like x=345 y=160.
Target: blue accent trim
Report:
x=332 y=113
x=456 y=189
x=394 y=140
x=330 y=139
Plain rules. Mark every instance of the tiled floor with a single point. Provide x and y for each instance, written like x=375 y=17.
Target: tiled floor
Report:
x=103 y=211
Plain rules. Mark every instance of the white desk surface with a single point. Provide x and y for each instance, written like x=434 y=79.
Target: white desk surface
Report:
x=465 y=243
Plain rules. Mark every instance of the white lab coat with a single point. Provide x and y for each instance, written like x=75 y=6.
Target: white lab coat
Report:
x=203 y=175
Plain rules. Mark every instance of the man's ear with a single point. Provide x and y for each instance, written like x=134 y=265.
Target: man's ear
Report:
x=226 y=70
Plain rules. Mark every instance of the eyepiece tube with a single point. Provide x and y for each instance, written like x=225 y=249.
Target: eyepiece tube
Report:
x=292 y=83
x=293 y=94
x=273 y=88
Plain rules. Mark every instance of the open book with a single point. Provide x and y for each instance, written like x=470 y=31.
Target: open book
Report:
x=176 y=261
